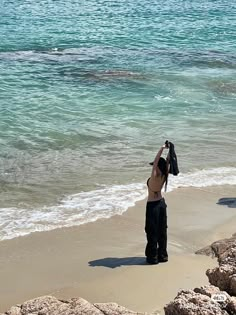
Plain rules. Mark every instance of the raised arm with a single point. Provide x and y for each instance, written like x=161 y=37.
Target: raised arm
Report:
x=155 y=169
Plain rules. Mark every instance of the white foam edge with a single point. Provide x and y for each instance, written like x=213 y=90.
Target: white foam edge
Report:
x=105 y=202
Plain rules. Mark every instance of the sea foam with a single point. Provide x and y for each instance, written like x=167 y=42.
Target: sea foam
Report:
x=104 y=202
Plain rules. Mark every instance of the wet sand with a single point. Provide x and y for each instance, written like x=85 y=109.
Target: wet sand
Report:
x=104 y=261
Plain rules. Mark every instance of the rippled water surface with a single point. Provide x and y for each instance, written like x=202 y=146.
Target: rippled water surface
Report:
x=89 y=91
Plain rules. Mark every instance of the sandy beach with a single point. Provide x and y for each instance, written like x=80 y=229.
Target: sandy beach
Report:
x=104 y=261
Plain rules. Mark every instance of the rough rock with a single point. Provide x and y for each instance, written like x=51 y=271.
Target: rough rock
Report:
x=191 y=303
x=49 y=305
x=219 y=248
x=231 y=306
x=214 y=299
x=210 y=290
x=14 y=310
x=206 y=300
x=224 y=277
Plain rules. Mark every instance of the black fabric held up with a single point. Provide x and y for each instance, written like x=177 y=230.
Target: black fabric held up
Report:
x=174 y=169
x=156 y=230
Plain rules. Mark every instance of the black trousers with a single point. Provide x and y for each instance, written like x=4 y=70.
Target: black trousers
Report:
x=156 y=229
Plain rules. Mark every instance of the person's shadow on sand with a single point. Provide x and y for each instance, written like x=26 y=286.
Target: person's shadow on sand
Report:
x=230 y=202
x=111 y=262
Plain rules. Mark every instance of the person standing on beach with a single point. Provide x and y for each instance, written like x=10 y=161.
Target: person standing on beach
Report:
x=156 y=214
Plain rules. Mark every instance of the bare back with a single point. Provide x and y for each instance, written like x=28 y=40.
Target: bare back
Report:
x=155 y=185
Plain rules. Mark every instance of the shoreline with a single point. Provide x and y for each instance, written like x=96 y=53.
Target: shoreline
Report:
x=104 y=260
x=81 y=207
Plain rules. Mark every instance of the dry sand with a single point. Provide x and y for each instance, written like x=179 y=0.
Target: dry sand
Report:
x=104 y=261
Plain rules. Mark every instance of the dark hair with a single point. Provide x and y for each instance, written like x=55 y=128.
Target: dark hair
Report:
x=163 y=166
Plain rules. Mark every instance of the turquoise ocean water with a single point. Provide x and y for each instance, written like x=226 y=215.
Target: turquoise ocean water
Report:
x=89 y=91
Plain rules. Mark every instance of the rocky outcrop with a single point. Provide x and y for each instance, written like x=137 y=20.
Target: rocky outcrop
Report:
x=200 y=301
x=219 y=298
x=49 y=305
x=223 y=276
x=219 y=249
x=206 y=300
